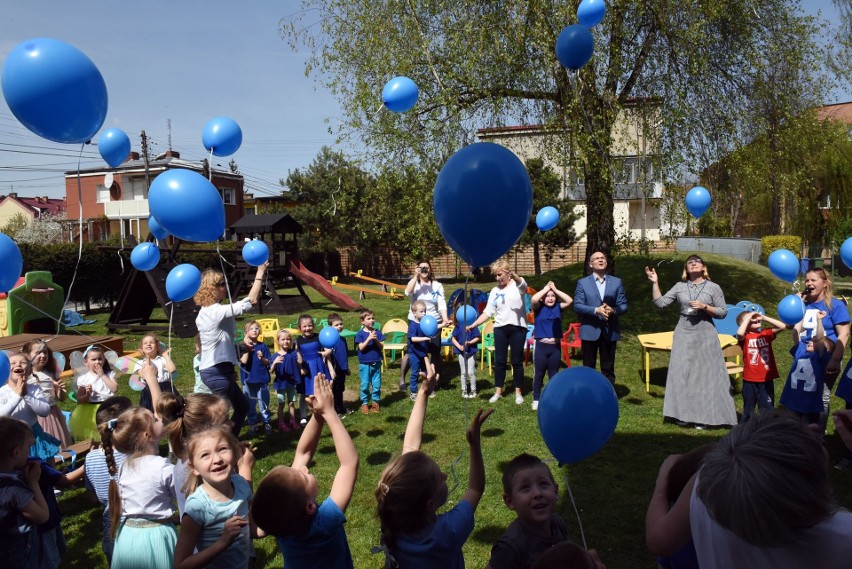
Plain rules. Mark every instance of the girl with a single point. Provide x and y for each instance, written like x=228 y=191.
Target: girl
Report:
x=286 y=366
x=46 y=374
x=313 y=356
x=151 y=355
x=25 y=402
x=216 y=519
x=548 y=334
x=412 y=488
x=93 y=387
x=196 y=368
x=254 y=373
x=141 y=492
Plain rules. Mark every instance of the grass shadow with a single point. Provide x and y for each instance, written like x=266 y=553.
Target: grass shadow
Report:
x=375 y=432
x=490 y=433
x=378 y=458
x=487 y=534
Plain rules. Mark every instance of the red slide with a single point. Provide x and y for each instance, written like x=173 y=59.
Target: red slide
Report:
x=321 y=286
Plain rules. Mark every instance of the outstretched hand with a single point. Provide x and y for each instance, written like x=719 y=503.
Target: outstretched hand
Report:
x=429 y=379
x=652 y=274
x=322 y=401
x=473 y=431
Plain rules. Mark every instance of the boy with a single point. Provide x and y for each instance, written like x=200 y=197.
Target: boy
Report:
x=531 y=492
x=464 y=346
x=22 y=505
x=340 y=363
x=310 y=534
x=370 y=343
x=418 y=346
x=803 y=390
x=759 y=369
x=254 y=373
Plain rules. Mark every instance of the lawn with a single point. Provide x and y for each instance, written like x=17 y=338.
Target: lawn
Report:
x=611 y=488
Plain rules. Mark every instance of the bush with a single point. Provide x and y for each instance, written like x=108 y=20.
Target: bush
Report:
x=772 y=243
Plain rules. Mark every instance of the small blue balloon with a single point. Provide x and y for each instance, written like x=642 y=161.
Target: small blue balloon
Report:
x=222 y=135
x=114 y=146
x=697 y=201
x=187 y=205
x=156 y=229
x=5 y=368
x=574 y=46
x=846 y=252
x=465 y=315
x=577 y=413
x=55 y=90
x=183 y=282
x=784 y=265
x=145 y=256
x=547 y=218
x=11 y=263
x=255 y=252
x=400 y=94
x=590 y=13
x=328 y=337
x=791 y=309
x=428 y=325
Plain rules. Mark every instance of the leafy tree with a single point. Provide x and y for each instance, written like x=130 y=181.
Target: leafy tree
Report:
x=16 y=224
x=45 y=229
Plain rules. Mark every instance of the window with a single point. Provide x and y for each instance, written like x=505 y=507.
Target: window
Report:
x=229 y=196
x=103 y=194
x=134 y=188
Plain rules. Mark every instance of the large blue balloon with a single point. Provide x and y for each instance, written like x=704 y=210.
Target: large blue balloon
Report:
x=428 y=325
x=400 y=94
x=791 y=309
x=328 y=337
x=591 y=12
x=577 y=413
x=114 y=146
x=11 y=263
x=222 y=135
x=145 y=256
x=574 y=46
x=55 y=90
x=547 y=218
x=156 y=229
x=255 y=252
x=697 y=201
x=187 y=205
x=482 y=202
x=183 y=282
x=5 y=368
x=846 y=252
x=465 y=315
x=784 y=265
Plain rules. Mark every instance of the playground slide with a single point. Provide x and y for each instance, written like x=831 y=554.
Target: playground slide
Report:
x=321 y=286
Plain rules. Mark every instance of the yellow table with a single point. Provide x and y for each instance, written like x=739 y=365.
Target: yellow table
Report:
x=662 y=341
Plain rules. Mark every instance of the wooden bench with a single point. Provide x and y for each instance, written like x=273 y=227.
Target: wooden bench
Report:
x=72 y=453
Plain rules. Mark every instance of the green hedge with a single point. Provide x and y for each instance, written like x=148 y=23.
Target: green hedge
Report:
x=772 y=243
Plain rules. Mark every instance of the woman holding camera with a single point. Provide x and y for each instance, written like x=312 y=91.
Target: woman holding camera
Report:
x=425 y=288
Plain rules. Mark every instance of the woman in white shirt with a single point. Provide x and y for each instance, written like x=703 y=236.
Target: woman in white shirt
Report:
x=425 y=288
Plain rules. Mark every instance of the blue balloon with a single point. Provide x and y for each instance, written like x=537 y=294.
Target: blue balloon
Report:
x=784 y=265
x=11 y=263
x=222 y=135
x=183 y=282
x=328 y=337
x=465 y=315
x=55 y=90
x=187 y=205
x=114 y=146
x=428 y=325
x=791 y=309
x=255 y=252
x=697 y=201
x=846 y=252
x=574 y=46
x=577 y=413
x=5 y=368
x=482 y=202
x=145 y=256
x=590 y=13
x=156 y=229
x=547 y=218
x=400 y=94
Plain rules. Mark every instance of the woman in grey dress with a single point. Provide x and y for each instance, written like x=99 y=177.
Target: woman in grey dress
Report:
x=698 y=390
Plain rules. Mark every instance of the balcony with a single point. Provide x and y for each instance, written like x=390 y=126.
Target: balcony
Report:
x=126 y=209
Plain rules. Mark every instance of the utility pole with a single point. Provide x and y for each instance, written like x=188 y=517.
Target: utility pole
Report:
x=147 y=162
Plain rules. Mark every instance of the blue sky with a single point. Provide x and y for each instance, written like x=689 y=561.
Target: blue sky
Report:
x=187 y=62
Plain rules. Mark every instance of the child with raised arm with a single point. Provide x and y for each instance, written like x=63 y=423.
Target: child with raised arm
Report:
x=759 y=369
x=370 y=343
x=547 y=304
x=802 y=392
x=285 y=504
x=412 y=488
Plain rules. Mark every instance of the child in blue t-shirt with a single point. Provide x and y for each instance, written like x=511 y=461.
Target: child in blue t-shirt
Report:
x=464 y=346
x=254 y=373
x=548 y=304
x=418 y=346
x=370 y=344
x=288 y=375
x=803 y=390
x=340 y=363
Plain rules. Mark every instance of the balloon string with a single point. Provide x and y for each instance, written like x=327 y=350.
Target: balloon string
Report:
x=210 y=166
x=121 y=236
x=80 y=229
x=453 y=476
x=576 y=512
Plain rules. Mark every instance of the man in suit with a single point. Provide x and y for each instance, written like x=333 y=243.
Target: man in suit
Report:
x=599 y=300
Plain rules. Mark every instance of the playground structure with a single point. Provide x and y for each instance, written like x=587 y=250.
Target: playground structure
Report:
x=363 y=291
x=34 y=305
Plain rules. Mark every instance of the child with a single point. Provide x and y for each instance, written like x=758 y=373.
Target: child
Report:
x=150 y=348
x=25 y=401
x=141 y=492
x=370 y=344
x=759 y=369
x=531 y=492
x=568 y=555
x=548 y=304
x=412 y=488
x=47 y=543
x=254 y=373
x=418 y=346
x=215 y=521
x=196 y=368
x=312 y=354
x=97 y=470
x=92 y=388
x=803 y=390
x=340 y=362
x=464 y=346
x=310 y=534
x=286 y=366
x=45 y=372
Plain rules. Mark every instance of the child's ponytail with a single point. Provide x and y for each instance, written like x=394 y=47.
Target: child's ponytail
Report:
x=403 y=496
x=182 y=417
x=106 y=430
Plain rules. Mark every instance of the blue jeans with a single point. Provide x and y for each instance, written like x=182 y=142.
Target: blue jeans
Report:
x=547 y=359
x=755 y=393
x=222 y=381
x=259 y=392
x=416 y=363
x=506 y=337
x=371 y=382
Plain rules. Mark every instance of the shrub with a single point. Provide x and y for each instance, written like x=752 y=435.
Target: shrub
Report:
x=772 y=243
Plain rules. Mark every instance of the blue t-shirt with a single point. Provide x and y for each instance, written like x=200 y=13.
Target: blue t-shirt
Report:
x=211 y=517
x=254 y=370
x=803 y=388
x=439 y=545
x=15 y=494
x=844 y=385
x=287 y=371
x=341 y=357
x=839 y=314
x=461 y=335
x=419 y=349
x=372 y=353
x=323 y=546
x=548 y=322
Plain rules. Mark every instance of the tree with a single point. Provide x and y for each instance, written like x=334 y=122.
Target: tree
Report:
x=47 y=228
x=481 y=64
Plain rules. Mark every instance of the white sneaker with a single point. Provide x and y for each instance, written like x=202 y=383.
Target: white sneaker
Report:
x=535 y=406
x=519 y=399
x=472 y=395
x=495 y=398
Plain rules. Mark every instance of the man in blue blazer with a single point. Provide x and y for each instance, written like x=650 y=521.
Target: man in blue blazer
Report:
x=600 y=300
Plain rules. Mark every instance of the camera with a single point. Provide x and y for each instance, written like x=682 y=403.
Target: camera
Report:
x=424 y=270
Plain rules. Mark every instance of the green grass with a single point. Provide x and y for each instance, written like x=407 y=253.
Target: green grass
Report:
x=611 y=488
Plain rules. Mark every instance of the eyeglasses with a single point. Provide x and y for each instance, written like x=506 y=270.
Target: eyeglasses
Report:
x=220 y=283
x=695 y=262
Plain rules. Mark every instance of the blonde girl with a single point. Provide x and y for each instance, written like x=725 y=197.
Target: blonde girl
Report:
x=285 y=367
x=22 y=400
x=149 y=345
x=45 y=373
x=92 y=388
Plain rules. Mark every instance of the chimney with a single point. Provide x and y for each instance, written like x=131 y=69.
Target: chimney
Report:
x=133 y=156
x=172 y=153
x=13 y=195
